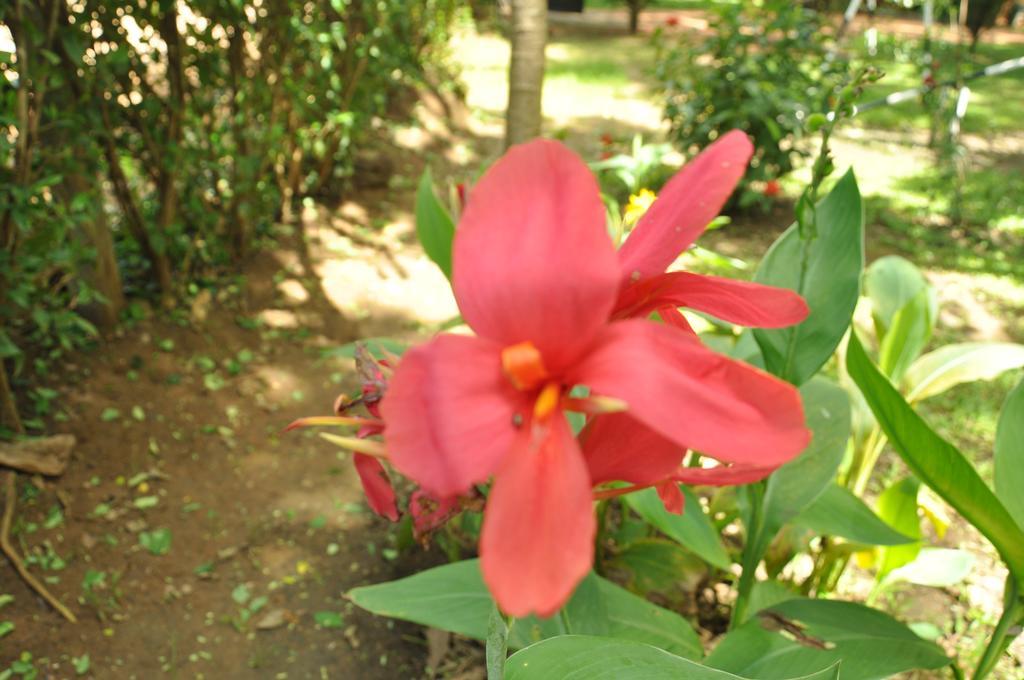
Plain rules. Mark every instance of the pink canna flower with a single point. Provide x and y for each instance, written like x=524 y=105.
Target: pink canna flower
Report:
x=380 y=495
x=684 y=208
x=537 y=278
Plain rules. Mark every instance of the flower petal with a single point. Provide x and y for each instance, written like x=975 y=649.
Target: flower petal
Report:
x=618 y=447
x=376 y=485
x=701 y=400
x=739 y=302
x=429 y=513
x=532 y=256
x=722 y=475
x=671 y=497
x=537 y=541
x=449 y=411
x=685 y=207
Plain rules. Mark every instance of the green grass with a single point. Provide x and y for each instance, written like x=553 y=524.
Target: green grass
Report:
x=599 y=61
x=990 y=109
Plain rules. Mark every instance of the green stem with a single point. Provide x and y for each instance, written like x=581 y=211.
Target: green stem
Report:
x=751 y=556
x=497 y=643
x=1007 y=629
x=564 y=616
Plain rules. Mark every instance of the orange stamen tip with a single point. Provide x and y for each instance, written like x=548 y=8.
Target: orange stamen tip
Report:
x=547 y=401
x=523 y=365
x=367 y=446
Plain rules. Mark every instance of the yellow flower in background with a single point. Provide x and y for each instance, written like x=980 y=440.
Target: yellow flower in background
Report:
x=638 y=205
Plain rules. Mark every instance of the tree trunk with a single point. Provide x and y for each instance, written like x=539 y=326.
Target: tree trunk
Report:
x=102 y=275
x=526 y=70
x=634 y=15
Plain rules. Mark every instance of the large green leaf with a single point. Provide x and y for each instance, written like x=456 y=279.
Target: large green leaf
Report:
x=839 y=512
x=434 y=225
x=891 y=282
x=830 y=283
x=1009 y=473
x=799 y=482
x=453 y=597
x=907 y=336
x=937 y=371
x=692 y=529
x=935 y=461
x=935 y=567
x=801 y=636
x=897 y=506
x=659 y=566
x=580 y=657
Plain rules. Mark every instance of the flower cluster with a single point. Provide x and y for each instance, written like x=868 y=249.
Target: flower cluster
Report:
x=564 y=323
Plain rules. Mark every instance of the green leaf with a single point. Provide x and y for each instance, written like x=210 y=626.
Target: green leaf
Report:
x=661 y=567
x=157 y=542
x=1009 y=455
x=907 y=336
x=936 y=462
x=897 y=506
x=241 y=594
x=801 y=635
x=692 y=529
x=799 y=482
x=937 y=371
x=830 y=284
x=453 y=597
x=434 y=225
x=597 y=658
x=766 y=594
x=890 y=283
x=935 y=567
x=838 y=512
x=329 y=619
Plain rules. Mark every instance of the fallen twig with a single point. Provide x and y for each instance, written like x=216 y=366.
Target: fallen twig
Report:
x=10 y=491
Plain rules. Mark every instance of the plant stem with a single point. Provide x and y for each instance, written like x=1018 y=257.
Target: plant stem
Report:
x=564 y=616
x=751 y=555
x=497 y=643
x=1007 y=629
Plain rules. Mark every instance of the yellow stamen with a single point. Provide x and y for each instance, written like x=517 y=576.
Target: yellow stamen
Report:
x=523 y=365
x=595 y=406
x=367 y=446
x=547 y=401
x=342 y=421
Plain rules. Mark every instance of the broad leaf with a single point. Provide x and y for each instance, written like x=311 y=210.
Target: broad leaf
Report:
x=799 y=482
x=659 y=566
x=802 y=636
x=897 y=506
x=936 y=462
x=434 y=225
x=937 y=371
x=830 y=283
x=1009 y=473
x=935 y=567
x=838 y=512
x=907 y=336
x=453 y=597
x=891 y=282
x=692 y=529
x=767 y=594
x=596 y=658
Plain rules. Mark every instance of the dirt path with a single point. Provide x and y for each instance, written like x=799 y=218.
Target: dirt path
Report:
x=189 y=535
